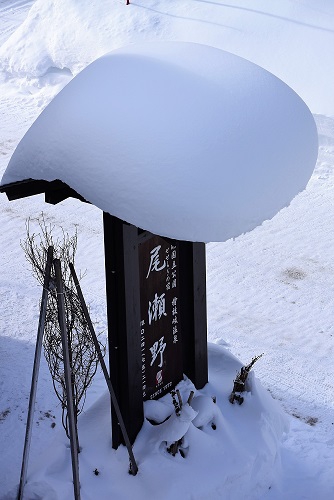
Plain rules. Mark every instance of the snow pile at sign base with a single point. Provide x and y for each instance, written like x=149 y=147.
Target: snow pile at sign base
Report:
x=183 y=140
x=237 y=459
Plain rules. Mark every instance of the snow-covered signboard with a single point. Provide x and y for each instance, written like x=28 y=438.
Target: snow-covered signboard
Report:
x=160 y=327
x=183 y=140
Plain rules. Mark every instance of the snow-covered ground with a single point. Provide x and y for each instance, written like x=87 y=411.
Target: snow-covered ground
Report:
x=269 y=291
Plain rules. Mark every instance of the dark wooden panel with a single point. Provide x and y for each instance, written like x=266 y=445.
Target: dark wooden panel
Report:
x=161 y=328
x=194 y=315
x=200 y=376
x=55 y=191
x=123 y=310
x=22 y=189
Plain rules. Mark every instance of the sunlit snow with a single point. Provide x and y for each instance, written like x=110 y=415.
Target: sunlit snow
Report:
x=270 y=290
x=181 y=139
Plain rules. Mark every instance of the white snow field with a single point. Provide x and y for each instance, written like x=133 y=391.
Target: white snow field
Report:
x=270 y=290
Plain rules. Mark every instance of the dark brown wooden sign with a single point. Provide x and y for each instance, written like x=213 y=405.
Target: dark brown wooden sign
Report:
x=160 y=326
x=156 y=305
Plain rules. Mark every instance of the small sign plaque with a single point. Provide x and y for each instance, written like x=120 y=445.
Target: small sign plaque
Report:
x=160 y=305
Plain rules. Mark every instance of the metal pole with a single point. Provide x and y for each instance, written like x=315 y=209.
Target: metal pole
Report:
x=134 y=467
x=34 y=378
x=68 y=380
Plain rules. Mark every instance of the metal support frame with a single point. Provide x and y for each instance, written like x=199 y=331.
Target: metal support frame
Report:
x=123 y=305
x=68 y=376
x=134 y=467
x=35 y=372
x=68 y=380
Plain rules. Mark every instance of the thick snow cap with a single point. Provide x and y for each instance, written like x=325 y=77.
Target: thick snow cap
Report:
x=181 y=139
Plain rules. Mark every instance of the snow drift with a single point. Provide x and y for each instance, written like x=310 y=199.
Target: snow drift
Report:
x=229 y=451
x=292 y=40
x=183 y=140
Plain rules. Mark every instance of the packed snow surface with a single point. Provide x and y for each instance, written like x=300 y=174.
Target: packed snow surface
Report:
x=243 y=443
x=270 y=290
x=181 y=139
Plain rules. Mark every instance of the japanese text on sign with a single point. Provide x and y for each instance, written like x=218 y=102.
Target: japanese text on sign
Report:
x=161 y=349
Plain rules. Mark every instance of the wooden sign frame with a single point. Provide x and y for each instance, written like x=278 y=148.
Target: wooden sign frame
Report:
x=122 y=242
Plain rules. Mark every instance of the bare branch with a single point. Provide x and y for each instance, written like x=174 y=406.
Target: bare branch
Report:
x=83 y=357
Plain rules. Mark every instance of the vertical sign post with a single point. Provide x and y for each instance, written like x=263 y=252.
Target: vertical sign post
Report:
x=123 y=310
x=68 y=380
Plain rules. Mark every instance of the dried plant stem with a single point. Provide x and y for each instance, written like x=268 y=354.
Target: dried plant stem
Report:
x=83 y=356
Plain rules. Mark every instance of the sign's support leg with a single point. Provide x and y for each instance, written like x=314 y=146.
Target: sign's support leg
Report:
x=194 y=330
x=68 y=381
x=200 y=377
x=123 y=310
x=134 y=467
x=34 y=378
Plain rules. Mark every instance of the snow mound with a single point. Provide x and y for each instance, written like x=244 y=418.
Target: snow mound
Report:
x=230 y=451
x=181 y=139
x=69 y=34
